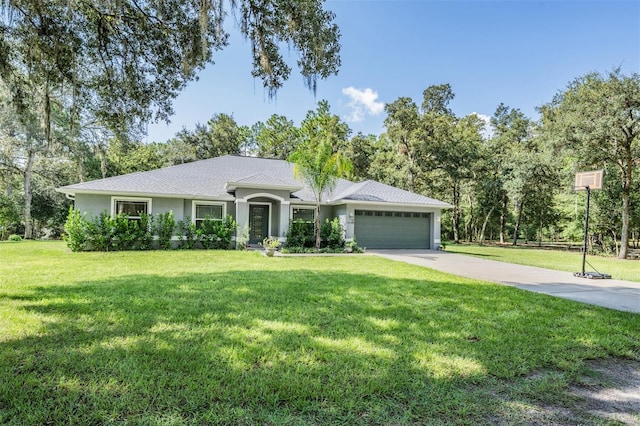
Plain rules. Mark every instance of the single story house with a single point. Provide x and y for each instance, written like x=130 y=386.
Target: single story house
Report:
x=264 y=195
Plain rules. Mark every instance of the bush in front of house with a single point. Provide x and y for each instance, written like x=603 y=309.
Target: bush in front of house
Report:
x=300 y=234
x=301 y=239
x=106 y=233
x=216 y=234
x=187 y=234
x=164 y=227
x=332 y=234
x=100 y=232
x=76 y=230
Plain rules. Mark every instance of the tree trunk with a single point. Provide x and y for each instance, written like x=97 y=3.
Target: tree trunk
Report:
x=484 y=224
x=624 y=233
x=627 y=177
x=9 y=190
x=469 y=223
x=540 y=235
x=456 y=213
x=318 y=239
x=615 y=242
x=28 y=170
x=410 y=158
x=503 y=220
x=517 y=229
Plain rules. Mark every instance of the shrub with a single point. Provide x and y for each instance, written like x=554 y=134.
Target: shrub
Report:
x=242 y=239
x=298 y=250
x=100 y=232
x=165 y=225
x=76 y=230
x=300 y=234
x=15 y=238
x=332 y=234
x=144 y=236
x=125 y=232
x=207 y=232
x=224 y=230
x=354 y=247
x=187 y=233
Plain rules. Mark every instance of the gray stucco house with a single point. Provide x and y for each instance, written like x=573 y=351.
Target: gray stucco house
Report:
x=264 y=195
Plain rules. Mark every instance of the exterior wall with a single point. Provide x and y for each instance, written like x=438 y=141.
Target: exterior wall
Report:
x=341 y=213
x=280 y=210
x=92 y=204
x=162 y=205
x=435 y=228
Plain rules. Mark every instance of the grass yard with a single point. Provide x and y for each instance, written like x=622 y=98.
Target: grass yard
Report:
x=204 y=337
x=628 y=270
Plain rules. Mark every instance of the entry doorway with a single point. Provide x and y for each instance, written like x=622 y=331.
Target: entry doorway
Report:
x=258 y=222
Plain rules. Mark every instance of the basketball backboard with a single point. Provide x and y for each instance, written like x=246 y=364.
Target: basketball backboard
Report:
x=592 y=180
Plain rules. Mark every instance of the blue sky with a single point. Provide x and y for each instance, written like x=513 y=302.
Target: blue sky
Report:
x=520 y=53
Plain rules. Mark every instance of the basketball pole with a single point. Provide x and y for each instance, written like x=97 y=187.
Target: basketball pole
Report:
x=586 y=231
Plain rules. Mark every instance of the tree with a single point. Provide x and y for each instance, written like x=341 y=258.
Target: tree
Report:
x=221 y=136
x=404 y=131
x=511 y=131
x=277 y=138
x=456 y=156
x=25 y=140
x=361 y=152
x=319 y=160
x=598 y=118
x=126 y=60
x=131 y=156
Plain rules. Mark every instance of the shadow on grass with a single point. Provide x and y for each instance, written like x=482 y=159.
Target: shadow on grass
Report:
x=298 y=347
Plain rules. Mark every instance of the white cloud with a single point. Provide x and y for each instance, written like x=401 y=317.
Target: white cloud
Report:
x=362 y=102
x=487 y=132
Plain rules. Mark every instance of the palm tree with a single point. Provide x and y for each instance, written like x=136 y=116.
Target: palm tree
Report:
x=318 y=161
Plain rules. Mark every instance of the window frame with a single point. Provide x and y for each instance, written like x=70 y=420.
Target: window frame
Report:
x=116 y=199
x=312 y=208
x=196 y=203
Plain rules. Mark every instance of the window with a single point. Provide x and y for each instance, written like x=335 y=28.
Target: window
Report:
x=305 y=214
x=132 y=207
x=204 y=210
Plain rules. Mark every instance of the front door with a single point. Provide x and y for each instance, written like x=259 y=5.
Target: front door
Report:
x=258 y=222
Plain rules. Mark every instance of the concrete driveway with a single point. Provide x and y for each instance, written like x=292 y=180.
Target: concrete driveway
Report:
x=614 y=294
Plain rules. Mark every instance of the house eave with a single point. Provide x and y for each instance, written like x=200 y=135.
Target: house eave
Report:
x=387 y=203
x=232 y=186
x=73 y=192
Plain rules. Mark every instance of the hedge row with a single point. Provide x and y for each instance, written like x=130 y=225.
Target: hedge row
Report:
x=106 y=233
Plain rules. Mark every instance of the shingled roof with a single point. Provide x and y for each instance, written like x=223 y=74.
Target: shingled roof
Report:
x=214 y=178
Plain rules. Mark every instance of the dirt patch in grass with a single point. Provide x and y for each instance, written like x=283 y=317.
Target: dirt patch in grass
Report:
x=608 y=393
x=611 y=390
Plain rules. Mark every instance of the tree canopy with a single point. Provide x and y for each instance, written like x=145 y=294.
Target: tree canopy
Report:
x=598 y=120
x=125 y=60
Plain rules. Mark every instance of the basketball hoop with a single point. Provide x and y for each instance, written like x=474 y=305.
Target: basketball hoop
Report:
x=586 y=181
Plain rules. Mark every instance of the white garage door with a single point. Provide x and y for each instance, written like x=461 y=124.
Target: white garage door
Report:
x=390 y=229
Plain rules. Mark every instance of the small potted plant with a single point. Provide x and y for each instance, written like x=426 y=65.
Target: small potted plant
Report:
x=270 y=244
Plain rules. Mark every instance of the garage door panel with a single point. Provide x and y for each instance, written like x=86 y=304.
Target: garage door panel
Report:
x=392 y=229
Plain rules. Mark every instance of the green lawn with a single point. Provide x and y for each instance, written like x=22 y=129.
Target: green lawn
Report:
x=204 y=337
x=628 y=270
